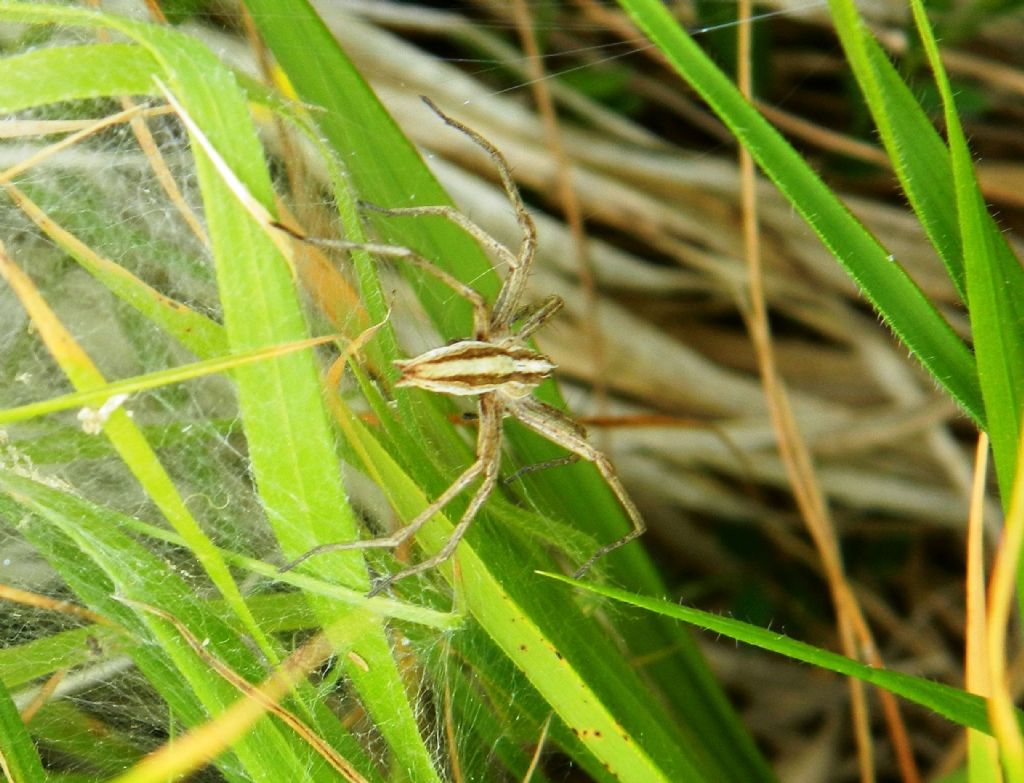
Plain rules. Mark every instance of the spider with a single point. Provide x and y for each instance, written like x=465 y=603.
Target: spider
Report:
x=496 y=365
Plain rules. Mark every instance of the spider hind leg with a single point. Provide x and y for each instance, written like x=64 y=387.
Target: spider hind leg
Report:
x=564 y=431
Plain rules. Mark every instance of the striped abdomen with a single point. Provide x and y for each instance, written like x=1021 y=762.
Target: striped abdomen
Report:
x=475 y=367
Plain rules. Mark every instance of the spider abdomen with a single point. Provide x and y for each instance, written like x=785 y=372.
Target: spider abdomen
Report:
x=475 y=367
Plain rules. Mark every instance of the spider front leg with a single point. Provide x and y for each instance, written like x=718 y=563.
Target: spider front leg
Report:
x=559 y=428
x=535 y=316
x=453 y=215
x=519 y=263
x=481 y=317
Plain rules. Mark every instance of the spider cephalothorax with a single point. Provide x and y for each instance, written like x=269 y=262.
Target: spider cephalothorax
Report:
x=496 y=365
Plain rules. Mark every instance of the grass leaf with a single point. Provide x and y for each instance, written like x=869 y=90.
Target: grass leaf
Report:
x=19 y=759
x=894 y=295
x=965 y=709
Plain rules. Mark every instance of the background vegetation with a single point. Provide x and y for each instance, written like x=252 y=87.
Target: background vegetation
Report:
x=790 y=376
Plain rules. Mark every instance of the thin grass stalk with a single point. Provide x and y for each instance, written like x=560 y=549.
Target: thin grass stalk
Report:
x=982 y=751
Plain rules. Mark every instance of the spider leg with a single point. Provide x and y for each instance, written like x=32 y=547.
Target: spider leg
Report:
x=481 y=494
x=537 y=315
x=519 y=267
x=568 y=459
x=481 y=318
x=504 y=171
x=401 y=535
x=488 y=462
x=456 y=217
x=559 y=428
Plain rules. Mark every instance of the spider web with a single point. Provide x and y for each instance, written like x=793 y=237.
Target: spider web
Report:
x=94 y=713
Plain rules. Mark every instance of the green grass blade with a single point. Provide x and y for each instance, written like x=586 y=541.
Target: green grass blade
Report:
x=920 y=158
x=62 y=725
x=965 y=709
x=995 y=287
x=918 y=154
x=380 y=606
x=18 y=756
x=86 y=547
x=289 y=438
x=154 y=380
x=893 y=294
x=64 y=73
x=40 y=657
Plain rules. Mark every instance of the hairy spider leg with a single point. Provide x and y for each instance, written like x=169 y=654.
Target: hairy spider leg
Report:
x=452 y=215
x=487 y=462
x=564 y=431
x=481 y=318
x=519 y=264
x=515 y=283
x=537 y=315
